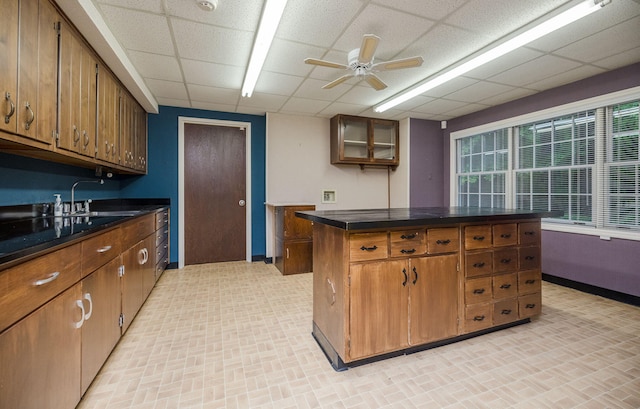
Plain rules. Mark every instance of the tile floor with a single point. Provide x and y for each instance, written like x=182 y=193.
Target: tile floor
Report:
x=238 y=335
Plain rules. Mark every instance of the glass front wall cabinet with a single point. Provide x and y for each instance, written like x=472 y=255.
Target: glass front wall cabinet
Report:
x=364 y=141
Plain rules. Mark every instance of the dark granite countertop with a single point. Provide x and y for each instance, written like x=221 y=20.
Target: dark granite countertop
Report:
x=367 y=219
x=26 y=232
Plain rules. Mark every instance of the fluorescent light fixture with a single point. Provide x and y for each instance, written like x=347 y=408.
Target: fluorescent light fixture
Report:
x=575 y=13
x=271 y=15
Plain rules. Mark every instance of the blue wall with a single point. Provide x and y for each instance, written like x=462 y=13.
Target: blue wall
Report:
x=162 y=178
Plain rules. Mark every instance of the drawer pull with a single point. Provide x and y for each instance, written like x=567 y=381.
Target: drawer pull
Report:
x=478 y=291
x=529 y=233
x=505 y=286
x=87 y=297
x=505 y=261
x=403 y=251
x=478 y=265
x=372 y=248
x=478 y=238
x=47 y=280
x=80 y=305
x=443 y=242
x=478 y=318
x=103 y=249
x=505 y=235
x=408 y=236
x=530 y=281
x=415 y=272
x=529 y=257
x=406 y=277
x=32 y=116
x=530 y=306
x=12 y=108
x=505 y=312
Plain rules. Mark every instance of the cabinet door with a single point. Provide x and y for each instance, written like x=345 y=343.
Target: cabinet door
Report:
x=101 y=329
x=384 y=144
x=295 y=227
x=8 y=64
x=148 y=266
x=27 y=97
x=298 y=257
x=107 y=146
x=88 y=94
x=378 y=315
x=40 y=356
x=132 y=283
x=70 y=94
x=47 y=115
x=433 y=298
x=140 y=128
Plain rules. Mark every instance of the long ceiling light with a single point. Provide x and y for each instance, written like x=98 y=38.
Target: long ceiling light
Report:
x=575 y=13
x=271 y=15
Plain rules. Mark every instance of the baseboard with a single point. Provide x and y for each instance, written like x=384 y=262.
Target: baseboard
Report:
x=592 y=289
x=260 y=257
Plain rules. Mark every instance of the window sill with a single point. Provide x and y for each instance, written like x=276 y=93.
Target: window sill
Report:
x=603 y=233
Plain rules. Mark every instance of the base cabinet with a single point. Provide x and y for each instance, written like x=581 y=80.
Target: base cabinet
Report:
x=293 y=240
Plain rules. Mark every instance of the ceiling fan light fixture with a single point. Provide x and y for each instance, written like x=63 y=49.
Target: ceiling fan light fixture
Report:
x=567 y=17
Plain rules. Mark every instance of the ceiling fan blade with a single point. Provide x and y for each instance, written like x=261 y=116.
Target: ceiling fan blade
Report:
x=324 y=63
x=368 y=48
x=398 y=64
x=375 y=82
x=337 y=81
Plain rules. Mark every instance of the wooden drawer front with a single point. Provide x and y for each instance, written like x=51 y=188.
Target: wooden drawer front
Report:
x=162 y=218
x=445 y=240
x=529 y=233
x=368 y=246
x=529 y=282
x=99 y=250
x=505 y=311
x=161 y=266
x=477 y=290
x=477 y=237
x=137 y=229
x=162 y=249
x=529 y=258
x=478 y=264
x=478 y=317
x=529 y=305
x=505 y=286
x=29 y=285
x=505 y=234
x=161 y=235
x=505 y=260
x=408 y=243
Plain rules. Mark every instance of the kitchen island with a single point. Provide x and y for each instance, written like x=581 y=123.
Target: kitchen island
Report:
x=394 y=281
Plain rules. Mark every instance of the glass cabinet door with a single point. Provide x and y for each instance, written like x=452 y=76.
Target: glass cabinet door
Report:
x=355 y=136
x=384 y=140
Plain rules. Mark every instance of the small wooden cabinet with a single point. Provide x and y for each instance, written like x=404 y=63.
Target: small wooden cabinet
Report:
x=364 y=141
x=293 y=240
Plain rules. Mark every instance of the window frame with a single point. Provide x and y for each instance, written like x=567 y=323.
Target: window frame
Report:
x=599 y=104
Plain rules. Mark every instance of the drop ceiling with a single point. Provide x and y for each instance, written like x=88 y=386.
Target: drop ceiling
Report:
x=171 y=52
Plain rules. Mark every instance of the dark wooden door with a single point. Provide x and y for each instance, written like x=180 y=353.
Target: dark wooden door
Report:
x=214 y=194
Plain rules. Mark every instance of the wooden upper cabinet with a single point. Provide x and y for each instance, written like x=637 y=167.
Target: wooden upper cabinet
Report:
x=364 y=141
x=140 y=127
x=29 y=50
x=107 y=137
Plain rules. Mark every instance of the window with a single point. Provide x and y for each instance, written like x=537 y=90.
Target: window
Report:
x=585 y=163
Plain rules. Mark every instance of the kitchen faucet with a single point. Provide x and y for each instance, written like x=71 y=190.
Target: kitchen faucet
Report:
x=73 y=210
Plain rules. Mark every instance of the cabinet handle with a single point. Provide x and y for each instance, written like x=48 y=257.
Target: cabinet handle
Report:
x=505 y=312
x=76 y=135
x=415 y=272
x=530 y=281
x=333 y=292
x=12 y=108
x=505 y=261
x=372 y=248
x=78 y=324
x=443 y=242
x=103 y=249
x=408 y=236
x=478 y=265
x=505 y=235
x=478 y=238
x=107 y=148
x=478 y=318
x=86 y=139
x=47 y=280
x=404 y=271
x=287 y=252
x=505 y=286
x=403 y=251
x=529 y=233
x=113 y=151
x=530 y=306
x=143 y=256
x=87 y=297
x=32 y=116
x=529 y=257
x=478 y=291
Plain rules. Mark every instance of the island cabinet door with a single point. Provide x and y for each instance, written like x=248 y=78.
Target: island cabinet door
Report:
x=433 y=298
x=378 y=315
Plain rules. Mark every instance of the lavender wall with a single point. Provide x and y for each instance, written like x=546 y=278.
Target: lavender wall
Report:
x=425 y=151
x=613 y=265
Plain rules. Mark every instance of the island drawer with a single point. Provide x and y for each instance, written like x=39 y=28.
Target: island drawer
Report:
x=529 y=258
x=505 y=311
x=29 y=285
x=477 y=237
x=529 y=305
x=408 y=243
x=529 y=282
x=529 y=233
x=505 y=260
x=505 y=234
x=443 y=240
x=505 y=286
x=478 y=317
x=477 y=290
x=368 y=246
x=478 y=264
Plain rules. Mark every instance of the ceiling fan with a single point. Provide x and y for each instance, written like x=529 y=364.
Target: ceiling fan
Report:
x=361 y=63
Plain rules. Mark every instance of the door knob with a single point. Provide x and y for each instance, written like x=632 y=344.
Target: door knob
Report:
x=241 y=203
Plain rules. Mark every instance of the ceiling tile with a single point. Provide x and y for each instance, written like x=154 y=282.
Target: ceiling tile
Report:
x=278 y=84
x=431 y=9
x=478 y=91
x=213 y=75
x=577 y=74
x=287 y=57
x=202 y=93
x=304 y=106
x=620 y=60
x=268 y=102
x=534 y=70
x=214 y=107
x=156 y=66
x=174 y=102
x=513 y=94
x=342 y=108
x=312 y=88
x=153 y=6
x=167 y=89
x=439 y=106
x=239 y=15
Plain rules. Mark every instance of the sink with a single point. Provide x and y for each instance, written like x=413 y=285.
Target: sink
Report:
x=108 y=213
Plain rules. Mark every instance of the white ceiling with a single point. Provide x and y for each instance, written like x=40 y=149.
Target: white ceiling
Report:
x=170 y=52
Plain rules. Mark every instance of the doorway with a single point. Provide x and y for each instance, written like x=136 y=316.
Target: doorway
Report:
x=214 y=224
